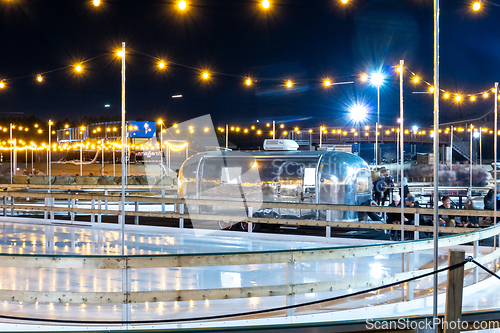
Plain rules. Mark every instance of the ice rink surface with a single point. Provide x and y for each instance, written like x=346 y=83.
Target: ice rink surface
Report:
x=22 y=236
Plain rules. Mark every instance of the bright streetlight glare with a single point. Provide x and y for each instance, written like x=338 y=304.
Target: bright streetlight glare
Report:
x=119 y=53
x=476 y=135
x=415 y=128
x=476 y=6
x=358 y=112
x=265 y=4
x=377 y=79
x=182 y=5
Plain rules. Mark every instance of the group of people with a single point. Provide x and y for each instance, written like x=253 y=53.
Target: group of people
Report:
x=382 y=185
x=445 y=220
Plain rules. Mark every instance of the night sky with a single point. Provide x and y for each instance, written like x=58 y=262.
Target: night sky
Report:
x=303 y=41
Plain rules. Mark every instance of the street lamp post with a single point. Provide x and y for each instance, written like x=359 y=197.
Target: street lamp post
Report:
x=161 y=162
x=451 y=150
x=495 y=142
x=377 y=80
x=470 y=163
x=436 y=161
x=50 y=156
x=123 y=153
x=11 y=152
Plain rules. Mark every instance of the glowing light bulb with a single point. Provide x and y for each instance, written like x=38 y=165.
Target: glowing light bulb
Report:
x=416 y=79
x=458 y=98
x=161 y=64
x=2 y=85
x=39 y=78
x=248 y=82
x=472 y=98
x=97 y=3
x=327 y=83
x=446 y=95
x=289 y=84
x=205 y=75
x=485 y=95
x=364 y=77
x=344 y=1
x=399 y=69
x=119 y=53
x=265 y=4
x=476 y=6
x=78 y=68
x=431 y=89
x=182 y=5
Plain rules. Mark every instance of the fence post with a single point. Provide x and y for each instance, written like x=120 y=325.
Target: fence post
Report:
x=45 y=212
x=250 y=224
x=92 y=207
x=69 y=203
x=181 y=220
x=476 y=254
x=106 y=201
x=328 y=219
x=163 y=204
x=454 y=290
x=137 y=216
x=99 y=215
x=290 y=281
x=52 y=203
x=72 y=214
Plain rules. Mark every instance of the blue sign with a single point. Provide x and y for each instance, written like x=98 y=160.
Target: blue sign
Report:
x=141 y=129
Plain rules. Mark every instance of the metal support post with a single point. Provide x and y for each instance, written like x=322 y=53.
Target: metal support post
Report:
x=92 y=207
x=72 y=214
x=476 y=255
x=290 y=281
x=328 y=219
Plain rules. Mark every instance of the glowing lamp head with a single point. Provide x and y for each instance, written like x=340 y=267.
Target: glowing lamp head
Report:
x=205 y=75
x=485 y=95
x=358 y=112
x=327 y=83
x=119 y=53
x=2 y=85
x=364 y=77
x=160 y=122
x=431 y=89
x=476 y=6
x=446 y=95
x=472 y=98
x=399 y=69
x=182 y=5
x=476 y=135
x=248 y=82
x=344 y=1
x=161 y=64
x=414 y=128
x=416 y=79
x=39 y=78
x=78 y=68
x=377 y=79
x=265 y=4
x=96 y=2
x=458 y=98
x=289 y=84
